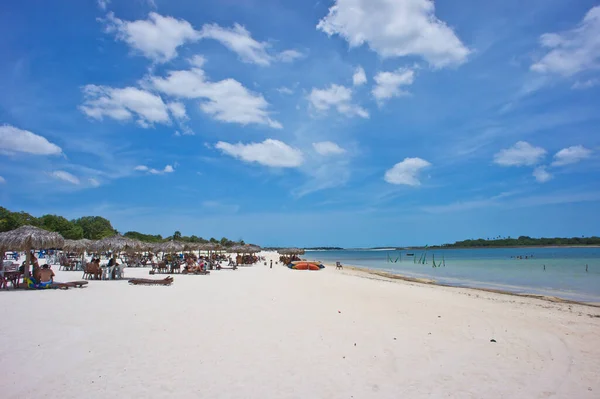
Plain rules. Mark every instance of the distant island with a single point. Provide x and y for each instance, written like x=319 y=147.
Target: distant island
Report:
x=524 y=241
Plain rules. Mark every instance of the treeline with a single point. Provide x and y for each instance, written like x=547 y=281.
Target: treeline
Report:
x=92 y=228
x=524 y=241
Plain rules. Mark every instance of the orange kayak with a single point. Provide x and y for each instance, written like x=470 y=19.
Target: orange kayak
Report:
x=303 y=265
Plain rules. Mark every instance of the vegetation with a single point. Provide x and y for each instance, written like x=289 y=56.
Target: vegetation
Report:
x=524 y=241
x=92 y=227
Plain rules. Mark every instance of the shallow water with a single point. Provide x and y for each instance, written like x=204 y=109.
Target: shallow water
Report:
x=498 y=268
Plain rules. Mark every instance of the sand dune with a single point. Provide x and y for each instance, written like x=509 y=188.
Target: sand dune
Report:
x=277 y=333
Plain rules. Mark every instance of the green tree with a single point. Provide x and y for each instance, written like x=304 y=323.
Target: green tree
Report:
x=95 y=227
x=177 y=235
x=62 y=226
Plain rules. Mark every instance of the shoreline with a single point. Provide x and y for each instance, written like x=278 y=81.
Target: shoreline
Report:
x=426 y=281
x=443 y=248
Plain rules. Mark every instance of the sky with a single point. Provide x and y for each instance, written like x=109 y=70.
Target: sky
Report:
x=347 y=123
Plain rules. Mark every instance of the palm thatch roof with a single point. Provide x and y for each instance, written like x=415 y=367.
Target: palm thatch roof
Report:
x=171 y=246
x=291 y=251
x=244 y=249
x=81 y=246
x=117 y=243
x=209 y=246
x=25 y=238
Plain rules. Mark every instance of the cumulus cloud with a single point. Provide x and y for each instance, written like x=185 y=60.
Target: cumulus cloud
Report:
x=285 y=90
x=521 y=154
x=13 y=139
x=328 y=148
x=573 y=51
x=388 y=84
x=396 y=28
x=273 y=153
x=102 y=4
x=571 y=155
x=239 y=40
x=359 y=78
x=65 y=176
x=406 y=172
x=124 y=104
x=177 y=110
x=144 y=168
x=541 y=174
x=290 y=55
x=226 y=100
x=337 y=97
x=585 y=84
x=156 y=38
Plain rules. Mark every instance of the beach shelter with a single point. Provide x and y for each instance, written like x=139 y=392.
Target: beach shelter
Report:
x=27 y=238
x=79 y=246
x=289 y=254
x=117 y=244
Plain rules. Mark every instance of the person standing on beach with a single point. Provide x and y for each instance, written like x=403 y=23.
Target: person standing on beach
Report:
x=271 y=264
x=586 y=268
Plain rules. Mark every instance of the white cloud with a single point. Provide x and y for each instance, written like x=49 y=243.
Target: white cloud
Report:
x=572 y=51
x=239 y=40
x=328 y=148
x=144 y=168
x=406 y=172
x=359 y=78
x=2 y=180
x=586 y=84
x=13 y=139
x=396 y=28
x=65 y=176
x=93 y=182
x=388 y=84
x=273 y=153
x=103 y=4
x=124 y=104
x=541 y=174
x=157 y=37
x=571 y=155
x=226 y=100
x=521 y=154
x=177 y=110
x=290 y=55
x=338 y=97
x=285 y=90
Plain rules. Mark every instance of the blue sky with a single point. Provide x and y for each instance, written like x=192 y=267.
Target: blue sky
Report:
x=345 y=122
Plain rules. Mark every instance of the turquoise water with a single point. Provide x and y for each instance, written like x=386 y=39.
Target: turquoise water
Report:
x=496 y=268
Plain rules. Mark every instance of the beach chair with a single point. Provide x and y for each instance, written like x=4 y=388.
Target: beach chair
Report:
x=119 y=272
x=338 y=265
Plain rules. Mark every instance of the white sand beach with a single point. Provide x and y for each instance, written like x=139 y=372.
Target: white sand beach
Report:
x=258 y=332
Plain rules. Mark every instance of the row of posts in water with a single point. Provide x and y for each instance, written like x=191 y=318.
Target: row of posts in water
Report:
x=423 y=260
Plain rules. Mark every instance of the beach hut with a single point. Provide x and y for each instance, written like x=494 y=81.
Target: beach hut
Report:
x=26 y=238
x=117 y=244
x=79 y=247
x=290 y=254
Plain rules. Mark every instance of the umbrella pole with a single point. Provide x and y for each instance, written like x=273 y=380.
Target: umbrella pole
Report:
x=27 y=262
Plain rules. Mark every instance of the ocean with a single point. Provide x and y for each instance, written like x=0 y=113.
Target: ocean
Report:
x=518 y=270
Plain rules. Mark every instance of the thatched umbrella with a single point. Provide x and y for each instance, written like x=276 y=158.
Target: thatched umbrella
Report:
x=26 y=238
x=79 y=246
x=291 y=251
x=117 y=243
x=172 y=247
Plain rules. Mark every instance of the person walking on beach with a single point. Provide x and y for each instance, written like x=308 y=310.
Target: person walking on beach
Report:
x=544 y=267
x=271 y=264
